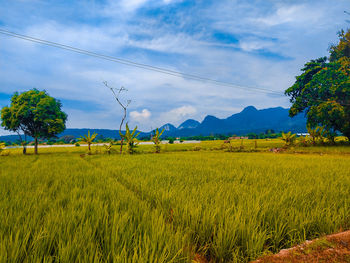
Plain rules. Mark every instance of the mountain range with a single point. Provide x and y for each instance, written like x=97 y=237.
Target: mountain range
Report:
x=249 y=120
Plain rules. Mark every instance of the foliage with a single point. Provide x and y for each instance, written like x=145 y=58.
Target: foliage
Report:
x=303 y=141
x=323 y=89
x=108 y=147
x=88 y=139
x=156 y=139
x=341 y=52
x=241 y=147
x=2 y=146
x=228 y=145
x=331 y=136
x=316 y=134
x=130 y=138
x=34 y=113
x=288 y=138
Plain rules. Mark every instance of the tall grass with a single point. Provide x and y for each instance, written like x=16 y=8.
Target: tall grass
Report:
x=57 y=209
x=228 y=207
x=237 y=206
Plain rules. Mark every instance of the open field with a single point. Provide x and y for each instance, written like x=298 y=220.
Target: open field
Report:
x=184 y=204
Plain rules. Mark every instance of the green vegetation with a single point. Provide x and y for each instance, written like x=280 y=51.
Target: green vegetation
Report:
x=2 y=146
x=89 y=139
x=192 y=199
x=130 y=138
x=288 y=138
x=156 y=139
x=35 y=114
x=323 y=89
x=108 y=147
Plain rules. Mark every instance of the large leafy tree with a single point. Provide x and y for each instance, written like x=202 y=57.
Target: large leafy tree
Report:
x=35 y=114
x=323 y=89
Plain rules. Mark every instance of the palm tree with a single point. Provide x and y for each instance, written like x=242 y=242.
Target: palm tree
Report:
x=88 y=139
x=130 y=138
x=317 y=134
x=156 y=139
x=288 y=138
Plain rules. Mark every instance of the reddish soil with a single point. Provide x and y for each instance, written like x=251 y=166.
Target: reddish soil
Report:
x=329 y=249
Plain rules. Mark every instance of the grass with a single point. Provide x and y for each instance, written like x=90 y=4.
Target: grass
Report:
x=226 y=207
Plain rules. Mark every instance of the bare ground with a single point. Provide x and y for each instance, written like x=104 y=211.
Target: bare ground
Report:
x=332 y=248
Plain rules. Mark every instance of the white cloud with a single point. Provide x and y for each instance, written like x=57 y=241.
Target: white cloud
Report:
x=140 y=117
x=131 y=5
x=5 y=132
x=177 y=115
x=295 y=14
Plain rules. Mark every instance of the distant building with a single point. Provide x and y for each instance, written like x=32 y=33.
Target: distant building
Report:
x=303 y=134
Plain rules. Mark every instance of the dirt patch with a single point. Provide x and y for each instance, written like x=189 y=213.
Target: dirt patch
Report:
x=332 y=248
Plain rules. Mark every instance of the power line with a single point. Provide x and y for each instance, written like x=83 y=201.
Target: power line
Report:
x=136 y=64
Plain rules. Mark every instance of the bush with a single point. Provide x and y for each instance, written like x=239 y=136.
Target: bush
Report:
x=77 y=144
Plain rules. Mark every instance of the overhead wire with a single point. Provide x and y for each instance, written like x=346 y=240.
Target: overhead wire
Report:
x=136 y=64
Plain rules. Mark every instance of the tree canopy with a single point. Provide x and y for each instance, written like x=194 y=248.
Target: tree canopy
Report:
x=34 y=113
x=323 y=89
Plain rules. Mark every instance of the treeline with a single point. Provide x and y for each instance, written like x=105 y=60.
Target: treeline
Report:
x=270 y=133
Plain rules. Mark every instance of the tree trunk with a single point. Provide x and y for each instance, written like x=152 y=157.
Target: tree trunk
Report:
x=24 y=149
x=121 y=145
x=36 y=145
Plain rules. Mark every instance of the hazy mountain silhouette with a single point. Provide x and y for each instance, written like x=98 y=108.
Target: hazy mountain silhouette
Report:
x=248 y=120
x=189 y=124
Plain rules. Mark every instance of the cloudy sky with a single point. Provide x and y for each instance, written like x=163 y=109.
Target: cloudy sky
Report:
x=260 y=44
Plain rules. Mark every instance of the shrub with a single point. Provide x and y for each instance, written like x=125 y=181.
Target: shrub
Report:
x=197 y=148
x=130 y=138
x=108 y=147
x=156 y=140
x=288 y=139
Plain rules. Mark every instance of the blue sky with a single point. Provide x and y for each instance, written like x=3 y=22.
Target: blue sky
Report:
x=251 y=43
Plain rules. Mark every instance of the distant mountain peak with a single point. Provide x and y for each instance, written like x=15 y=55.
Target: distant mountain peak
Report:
x=249 y=109
x=168 y=127
x=189 y=124
x=210 y=117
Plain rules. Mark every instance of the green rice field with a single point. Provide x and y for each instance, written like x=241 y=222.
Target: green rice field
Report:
x=188 y=202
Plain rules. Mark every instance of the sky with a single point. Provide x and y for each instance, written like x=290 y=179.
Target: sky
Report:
x=261 y=44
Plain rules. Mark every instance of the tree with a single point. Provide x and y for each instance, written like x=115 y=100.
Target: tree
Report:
x=34 y=113
x=288 y=138
x=89 y=139
x=130 y=138
x=322 y=91
x=156 y=139
x=116 y=94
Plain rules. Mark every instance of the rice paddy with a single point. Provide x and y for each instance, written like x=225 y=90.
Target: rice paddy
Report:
x=182 y=205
